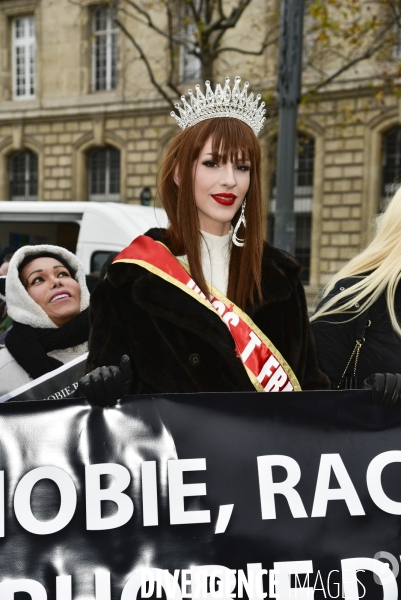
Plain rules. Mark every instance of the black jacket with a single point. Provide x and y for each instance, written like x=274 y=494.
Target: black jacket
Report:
x=335 y=339
x=178 y=345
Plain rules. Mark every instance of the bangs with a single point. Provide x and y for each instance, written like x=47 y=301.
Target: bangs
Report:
x=232 y=139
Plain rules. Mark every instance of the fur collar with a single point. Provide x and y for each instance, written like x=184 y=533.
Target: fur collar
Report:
x=278 y=269
x=278 y=272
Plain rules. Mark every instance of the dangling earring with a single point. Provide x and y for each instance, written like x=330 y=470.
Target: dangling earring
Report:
x=236 y=240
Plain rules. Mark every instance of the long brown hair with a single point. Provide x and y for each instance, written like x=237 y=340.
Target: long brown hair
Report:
x=231 y=139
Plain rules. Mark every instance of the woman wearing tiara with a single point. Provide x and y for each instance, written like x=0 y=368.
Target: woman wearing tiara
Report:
x=205 y=305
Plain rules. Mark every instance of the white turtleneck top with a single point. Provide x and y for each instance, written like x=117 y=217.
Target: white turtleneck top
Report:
x=215 y=258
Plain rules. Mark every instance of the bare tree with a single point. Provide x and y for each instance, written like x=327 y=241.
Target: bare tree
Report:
x=358 y=41
x=196 y=28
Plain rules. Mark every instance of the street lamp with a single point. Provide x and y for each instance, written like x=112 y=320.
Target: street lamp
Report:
x=289 y=92
x=145 y=196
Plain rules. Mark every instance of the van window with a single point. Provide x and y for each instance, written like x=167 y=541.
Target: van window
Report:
x=99 y=258
x=20 y=233
x=67 y=235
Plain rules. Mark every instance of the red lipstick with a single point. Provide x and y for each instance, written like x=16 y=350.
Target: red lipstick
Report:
x=224 y=198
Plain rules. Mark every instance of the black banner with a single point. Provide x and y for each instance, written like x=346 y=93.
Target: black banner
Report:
x=205 y=496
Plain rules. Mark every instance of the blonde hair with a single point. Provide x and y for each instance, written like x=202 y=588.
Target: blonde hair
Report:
x=378 y=267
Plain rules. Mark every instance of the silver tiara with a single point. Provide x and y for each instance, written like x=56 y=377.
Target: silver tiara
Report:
x=221 y=103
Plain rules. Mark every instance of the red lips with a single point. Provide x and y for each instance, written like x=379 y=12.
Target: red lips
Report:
x=224 y=198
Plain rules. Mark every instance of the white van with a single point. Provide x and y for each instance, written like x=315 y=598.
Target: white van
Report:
x=89 y=229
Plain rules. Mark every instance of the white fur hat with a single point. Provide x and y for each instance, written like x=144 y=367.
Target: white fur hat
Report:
x=20 y=306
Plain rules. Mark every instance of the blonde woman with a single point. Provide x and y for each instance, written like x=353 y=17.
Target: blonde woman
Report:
x=357 y=326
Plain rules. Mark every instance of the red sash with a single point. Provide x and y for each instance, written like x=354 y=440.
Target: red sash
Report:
x=266 y=368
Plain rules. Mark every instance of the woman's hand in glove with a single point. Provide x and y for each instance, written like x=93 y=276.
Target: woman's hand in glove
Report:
x=105 y=385
x=386 y=388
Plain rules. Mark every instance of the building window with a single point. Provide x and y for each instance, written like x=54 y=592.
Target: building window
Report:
x=190 y=65
x=397 y=43
x=391 y=177
x=396 y=8
x=23 y=169
x=24 y=57
x=104 y=50
x=304 y=162
x=104 y=175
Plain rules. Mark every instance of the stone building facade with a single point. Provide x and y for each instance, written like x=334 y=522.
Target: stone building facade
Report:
x=78 y=122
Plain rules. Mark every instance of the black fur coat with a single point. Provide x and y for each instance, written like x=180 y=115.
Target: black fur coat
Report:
x=178 y=345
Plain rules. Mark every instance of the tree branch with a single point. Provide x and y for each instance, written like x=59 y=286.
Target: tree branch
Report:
x=195 y=12
x=228 y=24
x=251 y=52
x=266 y=42
x=148 y=20
x=368 y=54
x=222 y=24
x=220 y=9
x=170 y=79
x=147 y=64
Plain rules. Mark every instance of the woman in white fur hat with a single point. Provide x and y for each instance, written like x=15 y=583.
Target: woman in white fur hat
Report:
x=48 y=300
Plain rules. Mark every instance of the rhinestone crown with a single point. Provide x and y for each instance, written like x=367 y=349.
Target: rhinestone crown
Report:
x=221 y=103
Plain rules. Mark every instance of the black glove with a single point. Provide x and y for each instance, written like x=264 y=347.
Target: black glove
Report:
x=386 y=388
x=105 y=385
